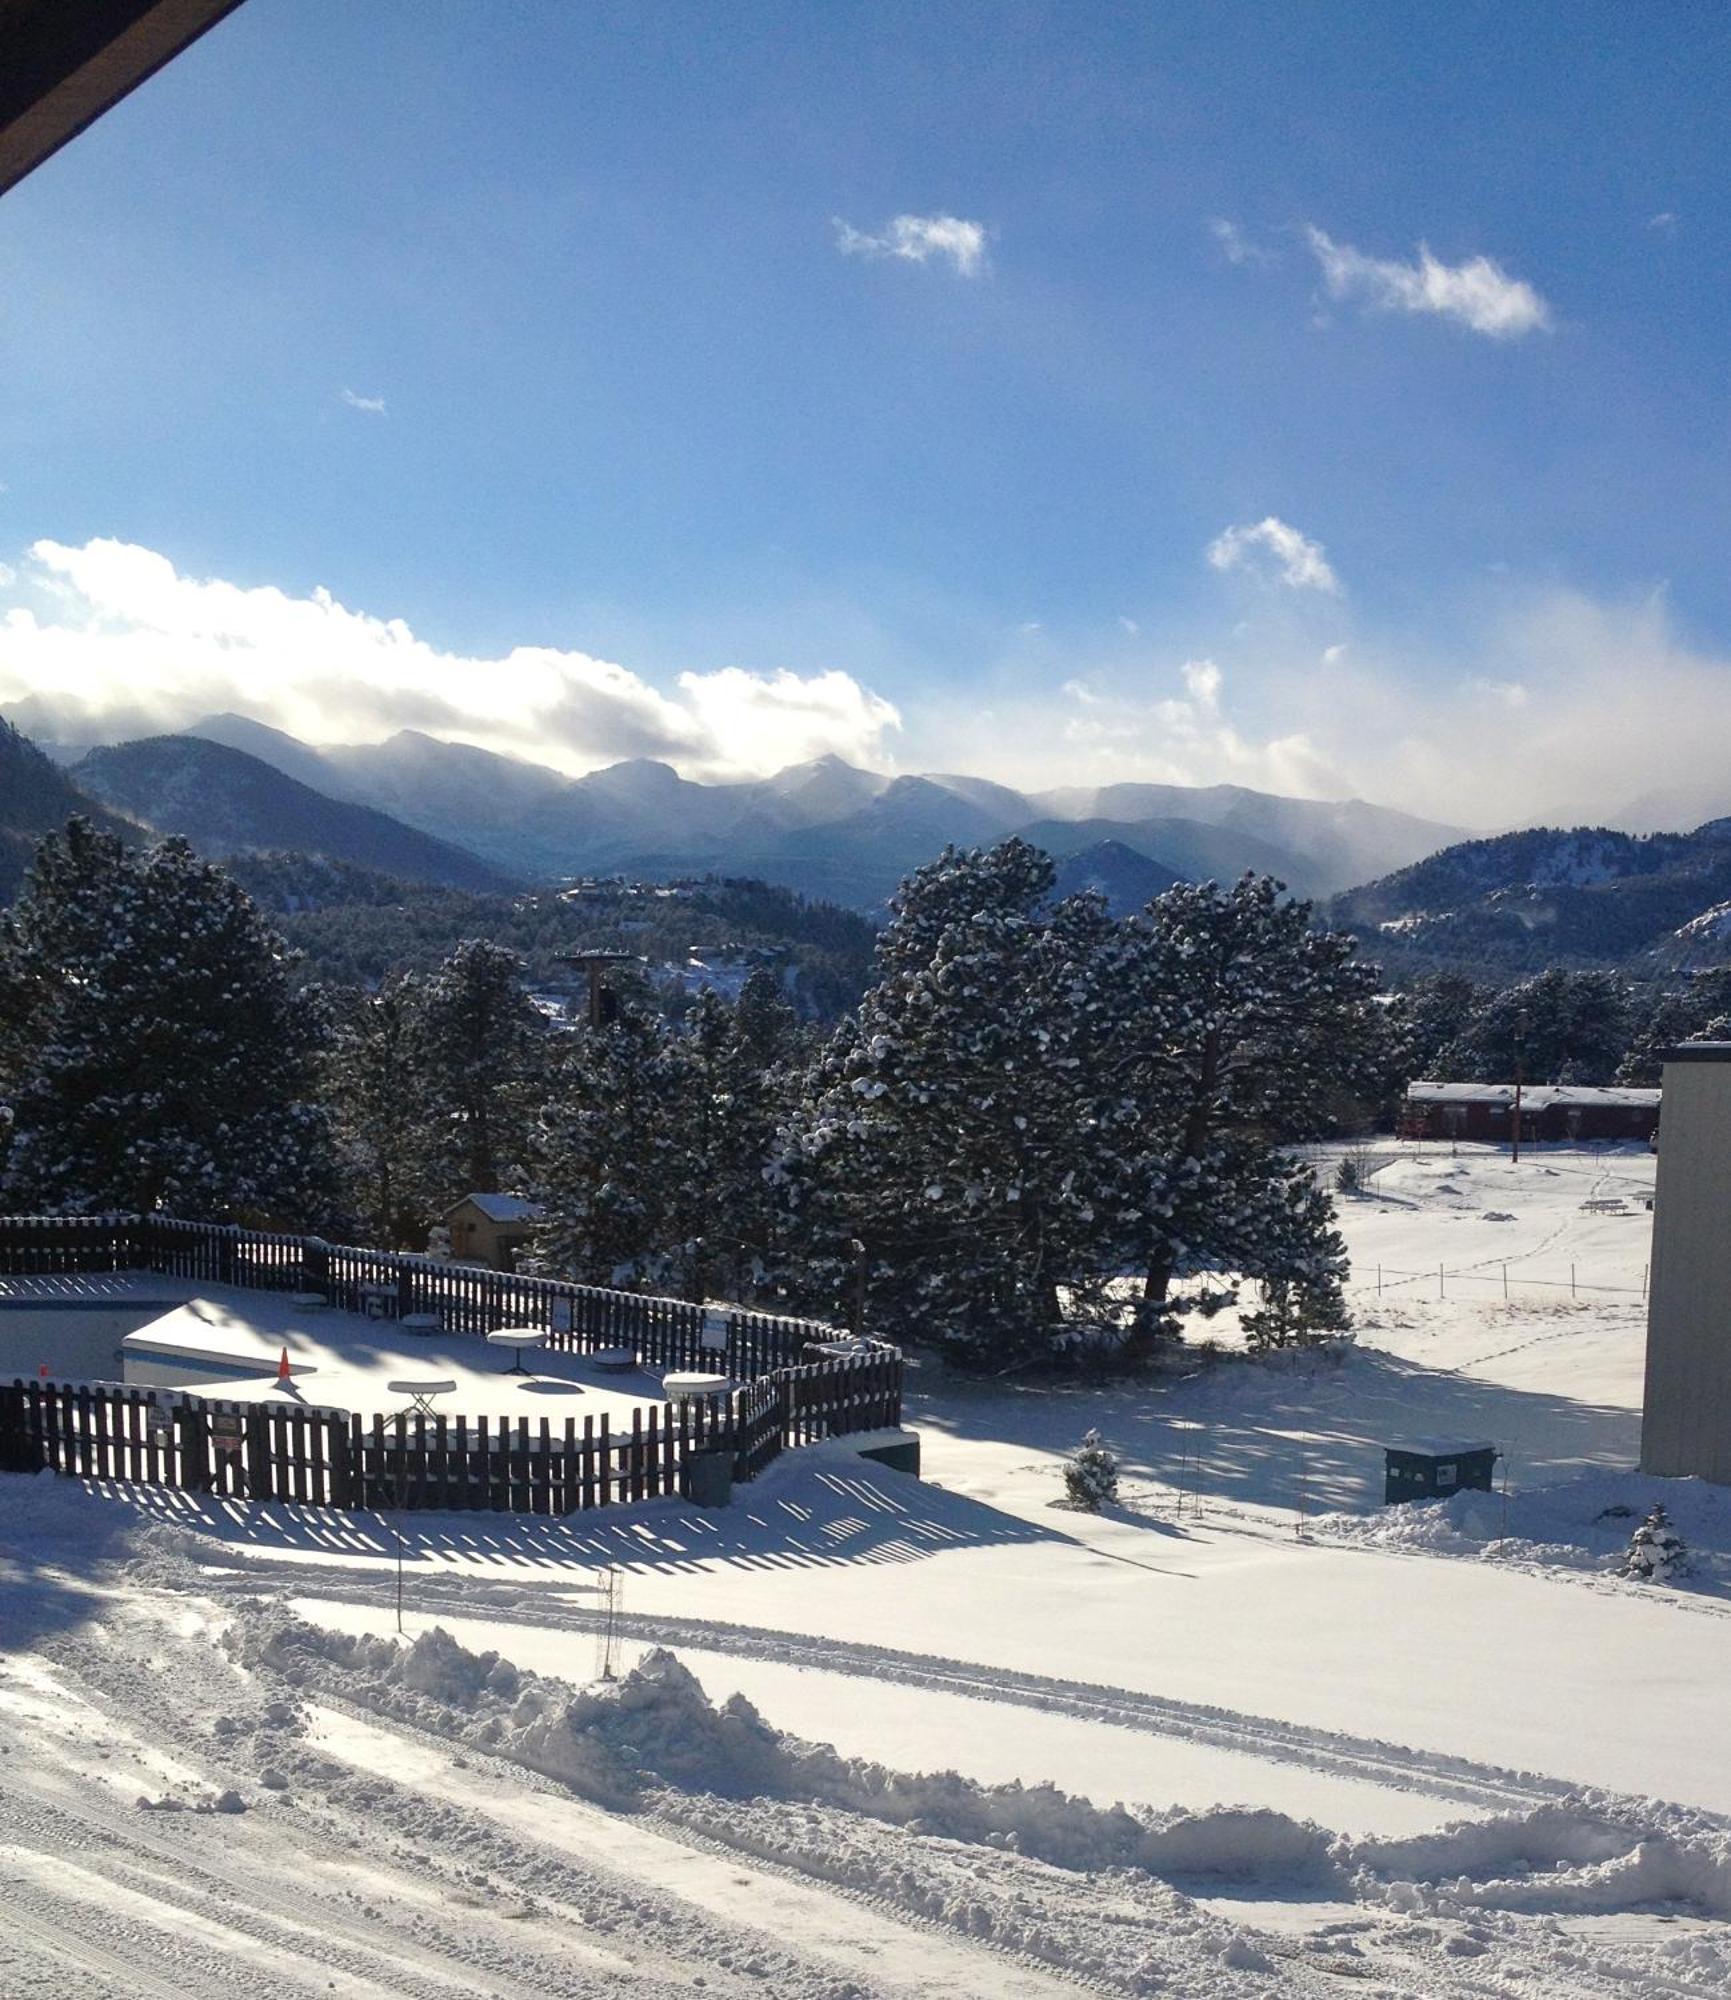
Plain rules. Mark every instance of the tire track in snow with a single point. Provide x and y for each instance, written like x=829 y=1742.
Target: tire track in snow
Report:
x=964 y=1965
x=382 y=1881
x=1366 y=1760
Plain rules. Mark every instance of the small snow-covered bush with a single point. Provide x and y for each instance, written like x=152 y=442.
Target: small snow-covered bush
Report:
x=1091 y=1474
x=1657 y=1553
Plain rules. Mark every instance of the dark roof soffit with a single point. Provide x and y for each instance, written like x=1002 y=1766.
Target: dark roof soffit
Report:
x=63 y=63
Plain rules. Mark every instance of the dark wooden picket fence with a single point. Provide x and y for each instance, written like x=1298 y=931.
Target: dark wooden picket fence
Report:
x=334 y=1458
x=666 y=1333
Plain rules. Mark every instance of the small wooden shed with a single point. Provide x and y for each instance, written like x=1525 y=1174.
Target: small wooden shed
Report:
x=490 y=1229
x=1433 y=1468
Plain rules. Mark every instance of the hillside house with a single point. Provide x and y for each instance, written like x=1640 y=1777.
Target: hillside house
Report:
x=490 y=1229
x=1485 y=1111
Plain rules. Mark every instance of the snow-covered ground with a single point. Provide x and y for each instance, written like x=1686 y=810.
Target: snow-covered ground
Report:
x=1439 y=1751
x=225 y=1341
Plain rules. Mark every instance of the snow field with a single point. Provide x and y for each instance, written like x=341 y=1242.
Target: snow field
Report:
x=872 y=1733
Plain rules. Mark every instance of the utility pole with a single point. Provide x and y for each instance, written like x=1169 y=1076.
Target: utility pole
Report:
x=1520 y=1078
x=603 y=1001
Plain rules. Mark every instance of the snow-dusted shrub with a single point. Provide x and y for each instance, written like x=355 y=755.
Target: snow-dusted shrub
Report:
x=1657 y=1553
x=1091 y=1474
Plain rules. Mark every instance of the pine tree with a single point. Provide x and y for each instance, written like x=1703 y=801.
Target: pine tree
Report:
x=1091 y=1474
x=1657 y=1552
x=386 y=1106
x=1578 y=1021
x=764 y=1021
x=154 y=1051
x=723 y=1108
x=483 y=1044
x=607 y=1156
x=949 y=1130
x=1294 y=1249
x=1238 y=1020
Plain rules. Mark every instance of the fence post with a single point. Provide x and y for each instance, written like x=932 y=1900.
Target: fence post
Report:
x=260 y=1480
x=194 y=1429
x=12 y=1432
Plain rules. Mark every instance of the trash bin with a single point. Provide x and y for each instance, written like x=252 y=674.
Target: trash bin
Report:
x=706 y=1478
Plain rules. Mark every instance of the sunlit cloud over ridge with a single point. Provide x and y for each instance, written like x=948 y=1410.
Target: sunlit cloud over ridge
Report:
x=111 y=630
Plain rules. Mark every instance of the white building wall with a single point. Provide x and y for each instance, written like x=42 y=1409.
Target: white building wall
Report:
x=1686 y=1426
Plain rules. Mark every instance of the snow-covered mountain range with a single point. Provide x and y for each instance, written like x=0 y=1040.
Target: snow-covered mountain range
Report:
x=825 y=828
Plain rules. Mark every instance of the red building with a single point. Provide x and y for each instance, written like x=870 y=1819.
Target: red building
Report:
x=1485 y=1111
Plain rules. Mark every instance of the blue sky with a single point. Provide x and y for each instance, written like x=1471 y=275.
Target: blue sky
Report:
x=590 y=335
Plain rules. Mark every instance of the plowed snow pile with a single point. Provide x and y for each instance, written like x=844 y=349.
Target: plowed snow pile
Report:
x=653 y=1735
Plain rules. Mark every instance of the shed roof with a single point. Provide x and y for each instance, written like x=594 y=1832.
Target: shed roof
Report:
x=1441 y=1447
x=500 y=1207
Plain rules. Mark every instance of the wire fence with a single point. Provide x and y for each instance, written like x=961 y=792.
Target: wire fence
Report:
x=1500 y=1277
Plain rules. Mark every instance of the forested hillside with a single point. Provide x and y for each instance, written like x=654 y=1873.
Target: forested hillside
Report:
x=1582 y=896
x=36 y=797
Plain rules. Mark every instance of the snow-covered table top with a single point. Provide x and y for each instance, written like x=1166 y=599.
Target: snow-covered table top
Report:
x=682 y=1384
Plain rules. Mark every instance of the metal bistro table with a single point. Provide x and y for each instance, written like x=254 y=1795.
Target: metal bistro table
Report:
x=420 y=1390
x=517 y=1338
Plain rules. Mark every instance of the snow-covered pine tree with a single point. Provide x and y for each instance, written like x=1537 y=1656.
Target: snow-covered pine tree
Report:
x=153 y=1049
x=1552 y=1021
x=386 y=1108
x=1091 y=1474
x=607 y=1156
x=1238 y=1022
x=950 y=1129
x=1657 y=1552
x=1290 y=1244
x=764 y=1021
x=483 y=1048
x=725 y=1113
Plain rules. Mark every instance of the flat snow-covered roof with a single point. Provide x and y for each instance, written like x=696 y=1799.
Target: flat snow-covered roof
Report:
x=1534 y=1096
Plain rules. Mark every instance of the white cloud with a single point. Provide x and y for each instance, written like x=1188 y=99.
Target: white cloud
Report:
x=1332 y=653
x=1479 y=293
x=1502 y=694
x=110 y=637
x=1665 y=220
x=373 y=405
x=1235 y=246
x=1129 y=625
x=917 y=239
x=1300 y=562
x=1104 y=736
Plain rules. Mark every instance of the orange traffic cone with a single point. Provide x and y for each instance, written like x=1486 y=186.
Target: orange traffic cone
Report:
x=282 y=1368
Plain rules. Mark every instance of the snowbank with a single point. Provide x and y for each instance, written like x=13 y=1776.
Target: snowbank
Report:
x=653 y=1738
x=620 y=1742
x=1581 y=1525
